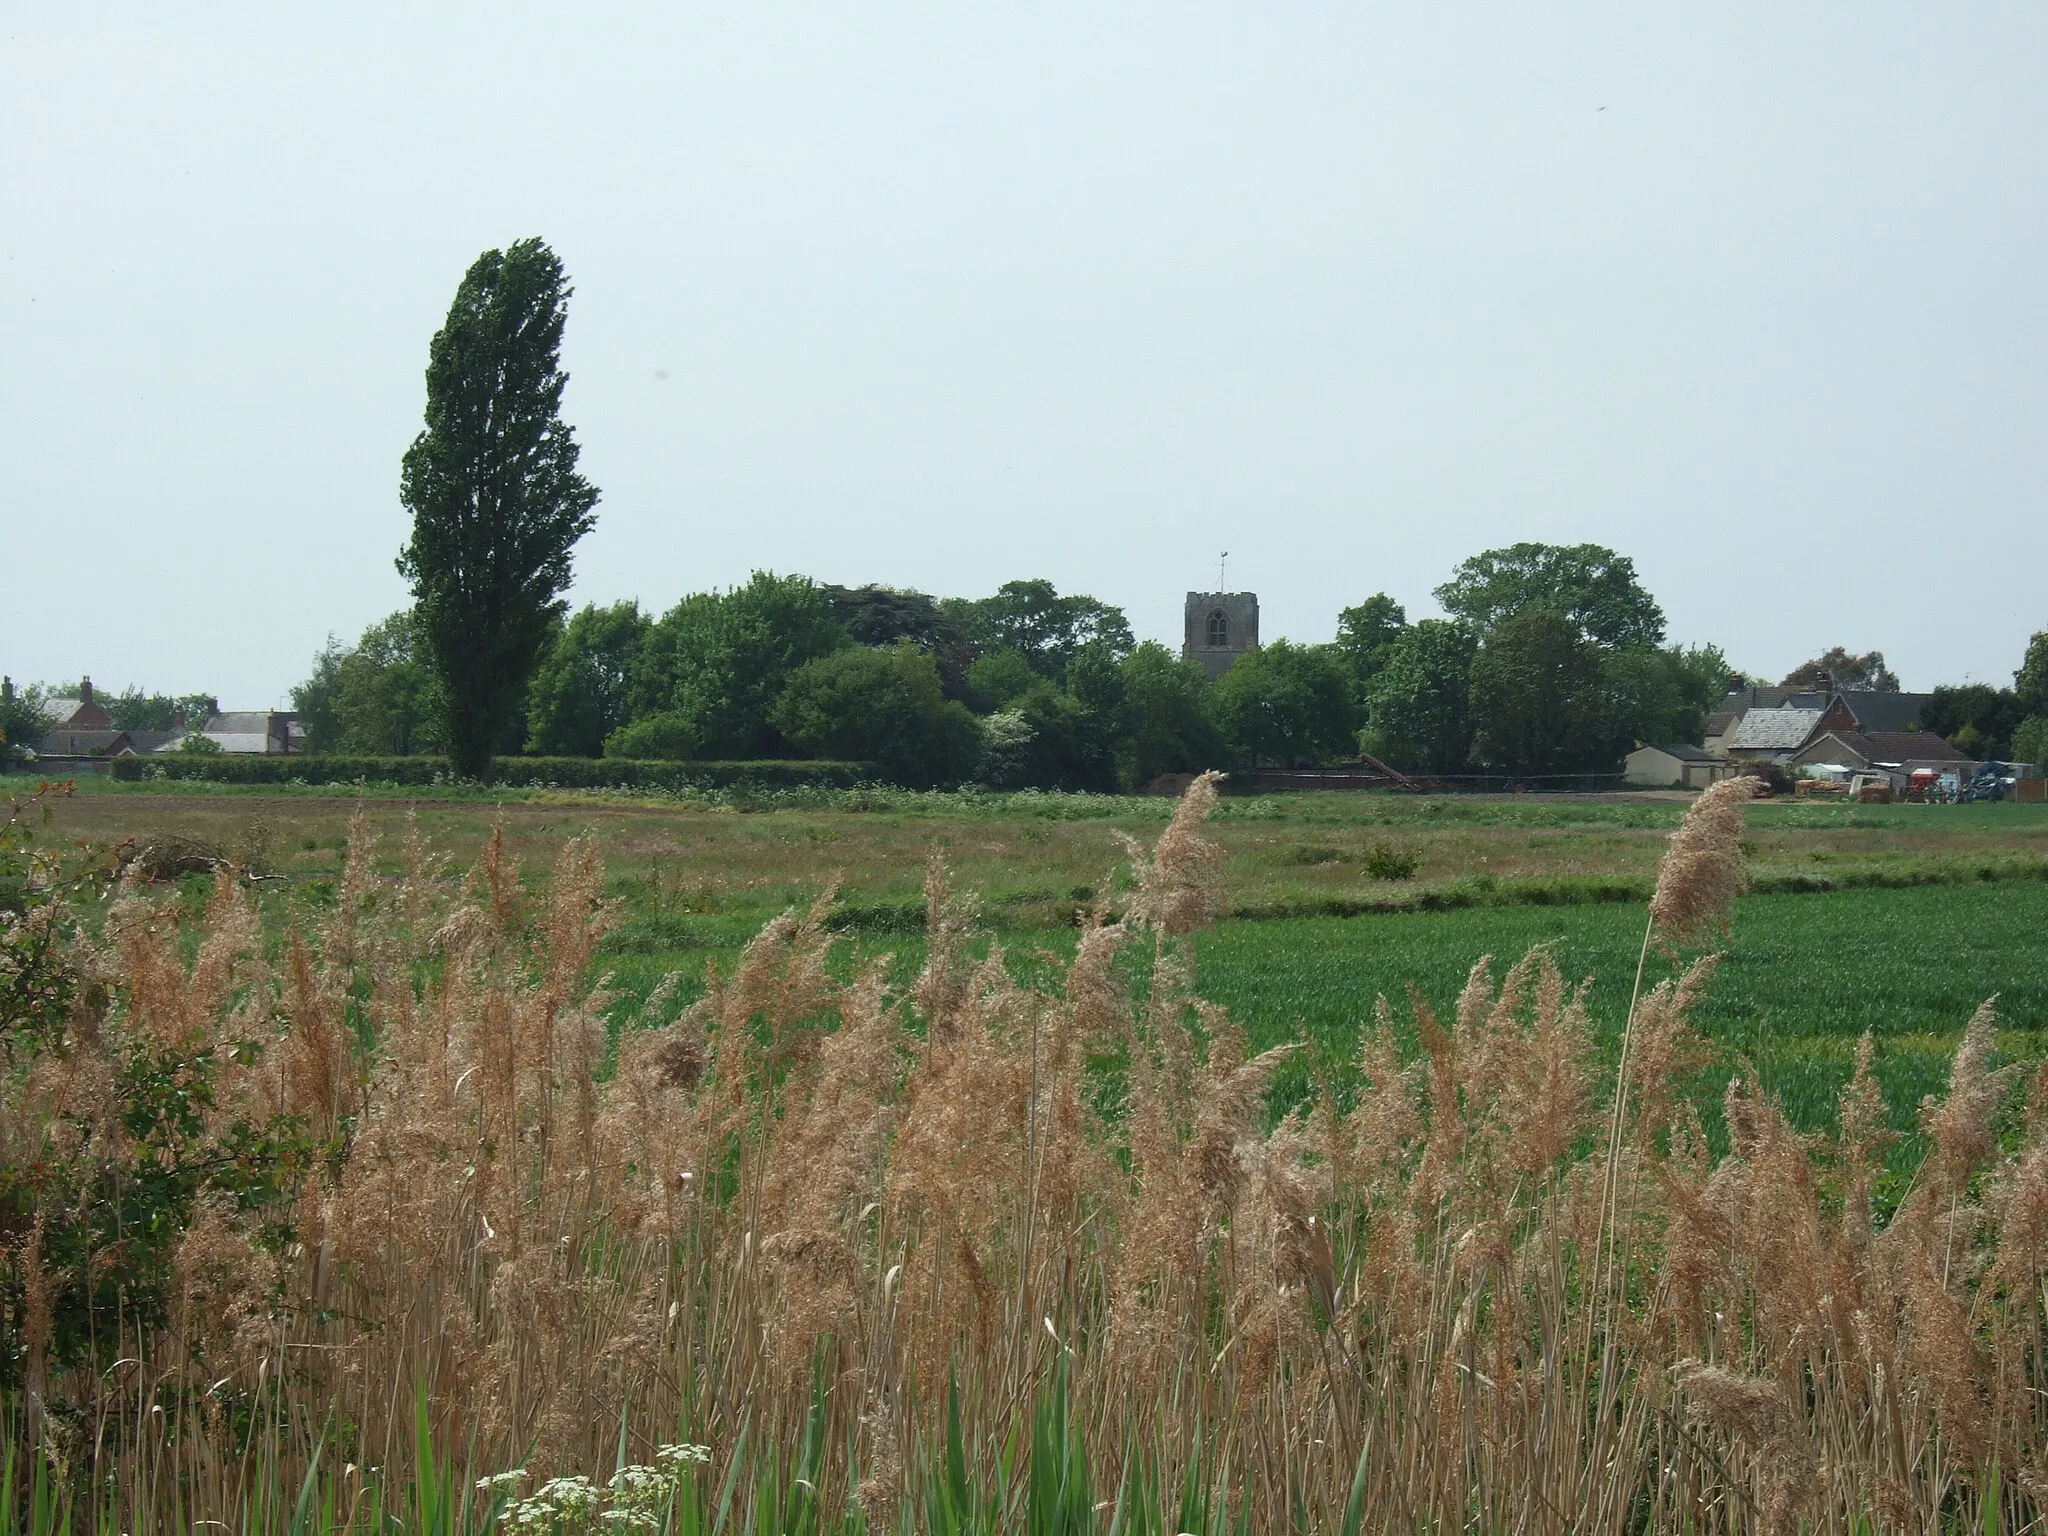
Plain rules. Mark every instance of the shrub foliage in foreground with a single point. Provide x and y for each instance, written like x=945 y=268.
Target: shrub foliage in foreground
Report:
x=886 y=1254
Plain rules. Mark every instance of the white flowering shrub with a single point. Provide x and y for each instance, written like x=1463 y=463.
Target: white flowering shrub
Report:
x=638 y=1498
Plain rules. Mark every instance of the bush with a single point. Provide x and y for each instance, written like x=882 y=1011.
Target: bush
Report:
x=665 y=737
x=888 y=705
x=561 y=772
x=1386 y=863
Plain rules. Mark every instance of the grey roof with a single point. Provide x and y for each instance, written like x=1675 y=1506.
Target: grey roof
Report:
x=1774 y=730
x=1680 y=750
x=238 y=722
x=145 y=742
x=1880 y=712
x=61 y=710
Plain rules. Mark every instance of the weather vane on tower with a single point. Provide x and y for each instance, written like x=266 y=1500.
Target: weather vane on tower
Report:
x=1222 y=559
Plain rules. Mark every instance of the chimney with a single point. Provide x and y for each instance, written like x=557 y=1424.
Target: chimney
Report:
x=85 y=690
x=7 y=689
x=178 y=719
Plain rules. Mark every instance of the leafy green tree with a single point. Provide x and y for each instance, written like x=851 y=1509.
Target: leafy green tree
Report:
x=720 y=660
x=1287 y=705
x=1589 y=584
x=2030 y=742
x=1046 y=629
x=885 y=706
x=1656 y=694
x=1420 y=702
x=1974 y=717
x=496 y=501
x=583 y=690
x=877 y=615
x=378 y=697
x=1166 y=724
x=999 y=676
x=23 y=722
x=1700 y=679
x=2030 y=683
x=1836 y=668
x=1366 y=635
x=1068 y=747
x=1538 y=696
x=133 y=710
x=1057 y=737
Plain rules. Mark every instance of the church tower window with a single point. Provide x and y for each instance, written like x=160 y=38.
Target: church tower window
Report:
x=1219 y=630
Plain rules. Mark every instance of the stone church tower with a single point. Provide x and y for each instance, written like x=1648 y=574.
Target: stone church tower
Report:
x=1221 y=626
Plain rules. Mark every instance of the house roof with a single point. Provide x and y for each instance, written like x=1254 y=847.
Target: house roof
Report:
x=1679 y=750
x=145 y=742
x=61 y=710
x=1893 y=747
x=238 y=722
x=82 y=743
x=1879 y=712
x=1775 y=729
x=1774 y=698
x=1719 y=721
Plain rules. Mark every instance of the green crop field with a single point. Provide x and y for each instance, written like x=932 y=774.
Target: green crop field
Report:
x=1801 y=978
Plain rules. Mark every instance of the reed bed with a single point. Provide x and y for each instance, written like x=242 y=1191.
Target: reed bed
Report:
x=368 y=1224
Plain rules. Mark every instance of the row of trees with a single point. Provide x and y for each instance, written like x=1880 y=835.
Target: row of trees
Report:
x=1027 y=686
x=1551 y=663
x=2009 y=724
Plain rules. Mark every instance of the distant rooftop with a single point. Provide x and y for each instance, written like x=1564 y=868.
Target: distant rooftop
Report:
x=1774 y=730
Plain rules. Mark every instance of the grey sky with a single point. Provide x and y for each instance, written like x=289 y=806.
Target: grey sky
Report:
x=945 y=295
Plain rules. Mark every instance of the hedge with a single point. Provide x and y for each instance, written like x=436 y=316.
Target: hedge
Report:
x=560 y=772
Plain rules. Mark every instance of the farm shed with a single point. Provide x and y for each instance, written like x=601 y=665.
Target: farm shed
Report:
x=1674 y=766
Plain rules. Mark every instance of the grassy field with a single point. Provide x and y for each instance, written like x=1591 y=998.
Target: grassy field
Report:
x=1897 y=919
x=1033 y=856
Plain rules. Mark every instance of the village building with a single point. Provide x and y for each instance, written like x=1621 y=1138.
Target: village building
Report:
x=1770 y=735
x=85 y=713
x=1220 y=627
x=1893 y=753
x=80 y=734
x=1675 y=765
x=1866 y=710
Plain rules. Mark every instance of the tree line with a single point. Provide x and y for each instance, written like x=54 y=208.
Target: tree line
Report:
x=1553 y=662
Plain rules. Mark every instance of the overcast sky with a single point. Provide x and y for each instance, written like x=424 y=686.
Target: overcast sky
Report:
x=940 y=296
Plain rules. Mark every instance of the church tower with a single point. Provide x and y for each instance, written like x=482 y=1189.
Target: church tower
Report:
x=1221 y=626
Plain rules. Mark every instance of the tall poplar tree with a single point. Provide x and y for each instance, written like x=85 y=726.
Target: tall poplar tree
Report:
x=495 y=498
